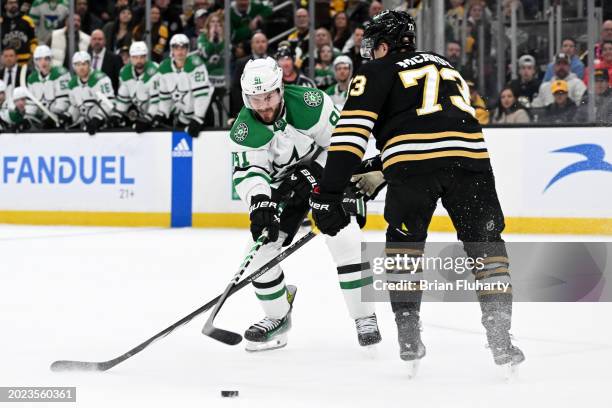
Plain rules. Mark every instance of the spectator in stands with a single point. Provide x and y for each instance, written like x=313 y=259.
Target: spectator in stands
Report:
x=159 y=34
x=453 y=54
x=118 y=33
x=343 y=70
x=259 y=49
x=527 y=85
x=104 y=59
x=507 y=9
x=324 y=71
x=48 y=15
x=291 y=74
x=562 y=71
x=568 y=46
x=375 y=8
x=322 y=37
x=211 y=46
x=454 y=18
x=246 y=17
x=563 y=109
x=170 y=17
x=509 y=110
x=59 y=42
x=604 y=63
x=192 y=30
x=13 y=74
x=299 y=37
x=477 y=102
x=18 y=32
x=89 y=21
x=354 y=51
x=606 y=35
x=603 y=100
x=340 y=30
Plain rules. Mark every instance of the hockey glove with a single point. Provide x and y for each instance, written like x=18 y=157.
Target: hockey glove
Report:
x=23 y=126
x=93 y=125
x=369 y=184
x=65 y=120
x=301 y=182
x=264 y=215
x=327 y=212
x=158 y=121
x=48 y=123
x=194 y=127
x=142 y=124
x=354 y=205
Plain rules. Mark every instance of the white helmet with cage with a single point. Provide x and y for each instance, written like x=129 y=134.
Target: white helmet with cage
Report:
x=261 y=76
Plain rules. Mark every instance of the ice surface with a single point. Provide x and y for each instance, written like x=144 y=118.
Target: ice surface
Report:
x=94 y=293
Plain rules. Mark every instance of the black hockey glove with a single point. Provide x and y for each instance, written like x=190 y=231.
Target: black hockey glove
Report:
x=327 y=212
x=158 y=121
x=142 y=124
x=301 y=182
x=264 y=214
x=354 y=204
x=194 y=127
x=93 y=125
x=23 y=126
x=48 y=123
x=64 y=119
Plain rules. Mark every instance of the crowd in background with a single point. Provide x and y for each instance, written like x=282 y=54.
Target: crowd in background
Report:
x=545 y=91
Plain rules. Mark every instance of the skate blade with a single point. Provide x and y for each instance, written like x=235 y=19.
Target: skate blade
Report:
x=277 y=342
x=413 y=368
x=510 y=372
x=370 y=351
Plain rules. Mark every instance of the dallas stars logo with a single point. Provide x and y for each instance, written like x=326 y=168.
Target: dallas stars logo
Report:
x=241 y=132
x=313 y=98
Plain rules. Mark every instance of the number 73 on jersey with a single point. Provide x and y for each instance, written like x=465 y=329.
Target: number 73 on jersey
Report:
x=432 y=77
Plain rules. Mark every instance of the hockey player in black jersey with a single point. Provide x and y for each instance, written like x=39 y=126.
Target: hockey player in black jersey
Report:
x=417 y=107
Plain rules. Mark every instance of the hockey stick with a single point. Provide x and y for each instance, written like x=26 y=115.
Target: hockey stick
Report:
x=44 y=110
x=226 y=336
x=68 y=365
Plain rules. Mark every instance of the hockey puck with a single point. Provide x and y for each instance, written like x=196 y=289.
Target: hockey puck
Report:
x=229 y=394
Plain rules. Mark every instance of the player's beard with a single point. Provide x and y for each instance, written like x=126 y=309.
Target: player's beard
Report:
x=269 y=116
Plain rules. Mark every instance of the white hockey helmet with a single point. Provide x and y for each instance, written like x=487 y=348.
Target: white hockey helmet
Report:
x=20 y=92
x=179 y=39
x=2 y=86
x=260 y=76
x=81 y=56
x=42 y=51
x=138 y=48
x=343 y=59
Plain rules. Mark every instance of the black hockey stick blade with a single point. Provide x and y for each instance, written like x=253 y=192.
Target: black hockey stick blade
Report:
x=224 y=336
x=70 y=365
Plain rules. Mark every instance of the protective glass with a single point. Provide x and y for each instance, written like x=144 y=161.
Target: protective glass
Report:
x=265 y=100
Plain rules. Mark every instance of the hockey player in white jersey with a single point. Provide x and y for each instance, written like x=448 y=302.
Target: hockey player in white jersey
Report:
x=92 y=99
x=280 y=142
x=49 y=85
x=184 y=88
x=13 y=112
x=138 y=94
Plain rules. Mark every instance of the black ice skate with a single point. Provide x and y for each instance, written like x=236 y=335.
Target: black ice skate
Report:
x=504 y=352
x=367 y=330
x=270 y=333
x=412 y=348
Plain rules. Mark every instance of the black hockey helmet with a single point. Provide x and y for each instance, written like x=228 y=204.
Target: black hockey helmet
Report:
x=395 y=28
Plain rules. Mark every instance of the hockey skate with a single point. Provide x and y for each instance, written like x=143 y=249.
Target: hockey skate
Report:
x=270 y=333
x=505 y=354
x=412 y=349
x=367 y=331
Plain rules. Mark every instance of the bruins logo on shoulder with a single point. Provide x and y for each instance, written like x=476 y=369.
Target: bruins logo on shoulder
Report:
x=241 y=132
x=313 y=98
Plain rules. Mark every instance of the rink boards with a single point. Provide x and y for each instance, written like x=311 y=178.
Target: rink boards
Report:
x=549 y=180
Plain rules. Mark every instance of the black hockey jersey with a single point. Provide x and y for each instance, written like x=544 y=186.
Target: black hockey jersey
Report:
x=417 y=106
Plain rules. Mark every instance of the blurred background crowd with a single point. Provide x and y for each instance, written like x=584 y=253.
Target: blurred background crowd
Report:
x=526 y=61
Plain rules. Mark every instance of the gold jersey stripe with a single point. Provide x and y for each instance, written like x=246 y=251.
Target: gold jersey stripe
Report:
x=361 y=131
x=430 y=136
x=494 y=259
x=486 y=274
x=345 y=148
x=435 y=155
x=366 y=113
x=495 y=292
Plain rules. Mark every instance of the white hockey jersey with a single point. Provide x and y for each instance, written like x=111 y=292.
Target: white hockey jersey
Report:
x=51 y=91
x=184 y=92
x=140 y=91
x=94 y=98
x=263 y=155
